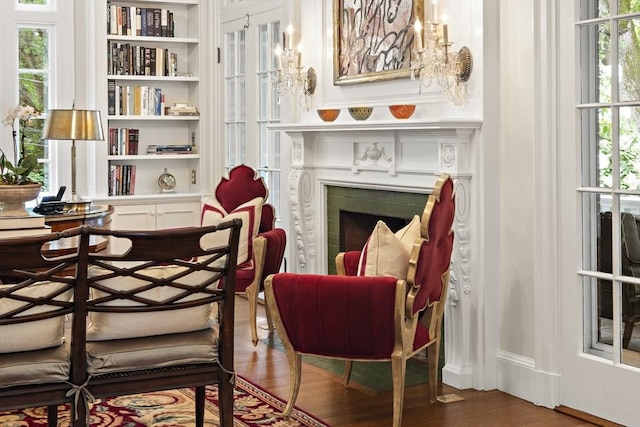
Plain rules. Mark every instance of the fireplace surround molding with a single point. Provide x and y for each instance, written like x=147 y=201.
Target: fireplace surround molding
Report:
x=400 y=156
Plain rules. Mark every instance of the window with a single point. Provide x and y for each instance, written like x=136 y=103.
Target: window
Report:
x=609 y=112
x=38 y=70
x=250 y=99
x=33 y=78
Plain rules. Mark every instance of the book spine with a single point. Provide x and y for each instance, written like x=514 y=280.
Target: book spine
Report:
x=152 y=61
x=157 y=30
x=157 y=98
x=132 y=189
x=147 y=61
x=163 y=23
x=144 y=100
x=159 y=61
x=138 y=21
x=108 y=17
x=149 y=22
x=143 y=15
x=170 y=25
x=119 y=20
x=136 y=138
x=132 y=21
x=125 y=17
x=111 y=97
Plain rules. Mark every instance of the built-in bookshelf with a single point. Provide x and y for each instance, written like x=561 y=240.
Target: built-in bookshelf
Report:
x=152 y=94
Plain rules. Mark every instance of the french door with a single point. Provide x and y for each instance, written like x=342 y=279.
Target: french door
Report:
x=250 y=33
x=599 y=205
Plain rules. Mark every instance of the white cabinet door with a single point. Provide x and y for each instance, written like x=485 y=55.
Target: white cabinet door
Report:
x=134 y=217
x=177 y=215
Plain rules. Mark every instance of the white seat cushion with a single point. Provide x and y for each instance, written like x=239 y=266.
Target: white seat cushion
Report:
x=51 y=365
x=152 y=352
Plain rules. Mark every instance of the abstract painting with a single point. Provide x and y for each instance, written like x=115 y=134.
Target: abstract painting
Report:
x=373 y=39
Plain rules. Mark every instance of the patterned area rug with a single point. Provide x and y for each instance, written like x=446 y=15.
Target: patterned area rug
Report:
x=253 y=406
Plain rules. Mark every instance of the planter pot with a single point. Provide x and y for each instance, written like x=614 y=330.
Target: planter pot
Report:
x=13 y=197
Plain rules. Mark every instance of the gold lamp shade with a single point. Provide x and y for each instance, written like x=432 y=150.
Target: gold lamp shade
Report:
x=76 y=125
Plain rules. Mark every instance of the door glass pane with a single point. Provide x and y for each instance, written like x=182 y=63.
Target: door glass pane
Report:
x=596 y=85
x=241 y=53
x=230 y=111
x=591 y=9
x=596 y=223
x=629 y=57
x=597 y=148
x=629 y=118
x=231 y=144
x=627 y=6
x=630 y=329
x=230 y=51
x=242 y=96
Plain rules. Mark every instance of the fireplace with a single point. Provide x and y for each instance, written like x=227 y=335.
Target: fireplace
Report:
x=387 y=159
x=352 y=213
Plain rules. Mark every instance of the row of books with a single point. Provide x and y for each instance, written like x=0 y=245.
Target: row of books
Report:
x=135 y=60
x=139 y=21
x=123 y=141
x=171 y=149
x=135 y=100
x=122 y=180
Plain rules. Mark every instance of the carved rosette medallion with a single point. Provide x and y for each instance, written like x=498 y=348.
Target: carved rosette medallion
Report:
x=447 y=155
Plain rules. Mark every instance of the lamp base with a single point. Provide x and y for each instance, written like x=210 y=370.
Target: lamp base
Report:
x=77 y=205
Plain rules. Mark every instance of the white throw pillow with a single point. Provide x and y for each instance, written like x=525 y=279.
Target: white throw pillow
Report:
x=250 y=213
x=33 y=335
x=387 y=253
x=107 y=326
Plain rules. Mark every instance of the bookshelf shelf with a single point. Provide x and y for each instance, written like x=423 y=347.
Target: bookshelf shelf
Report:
x=164 y=118
x=155 y=78
x=131 y=84
x=154 y=157
x=152 y=39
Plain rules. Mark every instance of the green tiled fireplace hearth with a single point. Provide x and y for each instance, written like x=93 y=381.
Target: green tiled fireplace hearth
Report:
x=391 y=206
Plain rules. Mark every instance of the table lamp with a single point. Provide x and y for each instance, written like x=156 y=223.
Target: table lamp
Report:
x=76 y=125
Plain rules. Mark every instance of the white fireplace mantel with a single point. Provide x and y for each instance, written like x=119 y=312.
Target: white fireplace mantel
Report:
x=399 y=155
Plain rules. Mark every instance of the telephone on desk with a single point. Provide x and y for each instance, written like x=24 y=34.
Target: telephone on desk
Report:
x=51 y=205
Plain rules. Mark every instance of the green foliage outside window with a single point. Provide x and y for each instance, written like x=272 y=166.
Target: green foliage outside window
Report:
x=629 y=90
x=33 y=86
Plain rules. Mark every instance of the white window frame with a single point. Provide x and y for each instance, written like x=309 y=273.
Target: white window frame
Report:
x=58 y=18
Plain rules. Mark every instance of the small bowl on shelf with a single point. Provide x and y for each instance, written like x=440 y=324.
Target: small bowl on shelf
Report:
x=328 y=114
x=402 y=111
x=360 y=113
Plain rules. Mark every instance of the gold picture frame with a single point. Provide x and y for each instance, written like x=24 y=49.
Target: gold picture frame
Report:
x=373 y=39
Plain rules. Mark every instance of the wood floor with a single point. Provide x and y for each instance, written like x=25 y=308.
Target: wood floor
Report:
x=323 y=395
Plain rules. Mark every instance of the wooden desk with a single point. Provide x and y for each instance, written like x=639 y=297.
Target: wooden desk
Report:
x=96 y=216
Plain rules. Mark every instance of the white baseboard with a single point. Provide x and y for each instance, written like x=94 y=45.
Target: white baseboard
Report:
x=458 y=378
x=517 y=375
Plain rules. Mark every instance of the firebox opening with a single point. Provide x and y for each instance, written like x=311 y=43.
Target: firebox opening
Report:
x=368 y=206
x=356 y=227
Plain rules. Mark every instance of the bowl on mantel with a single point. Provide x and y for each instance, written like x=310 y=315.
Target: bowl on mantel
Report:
x=402 y=111
x=328 y=114
x=360 y=113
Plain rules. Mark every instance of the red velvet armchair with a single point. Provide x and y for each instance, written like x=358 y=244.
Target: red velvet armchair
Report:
x=371 y=318
x=243 y=195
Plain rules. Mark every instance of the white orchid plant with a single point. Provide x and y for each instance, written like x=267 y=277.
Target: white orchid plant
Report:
x=18 y=172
